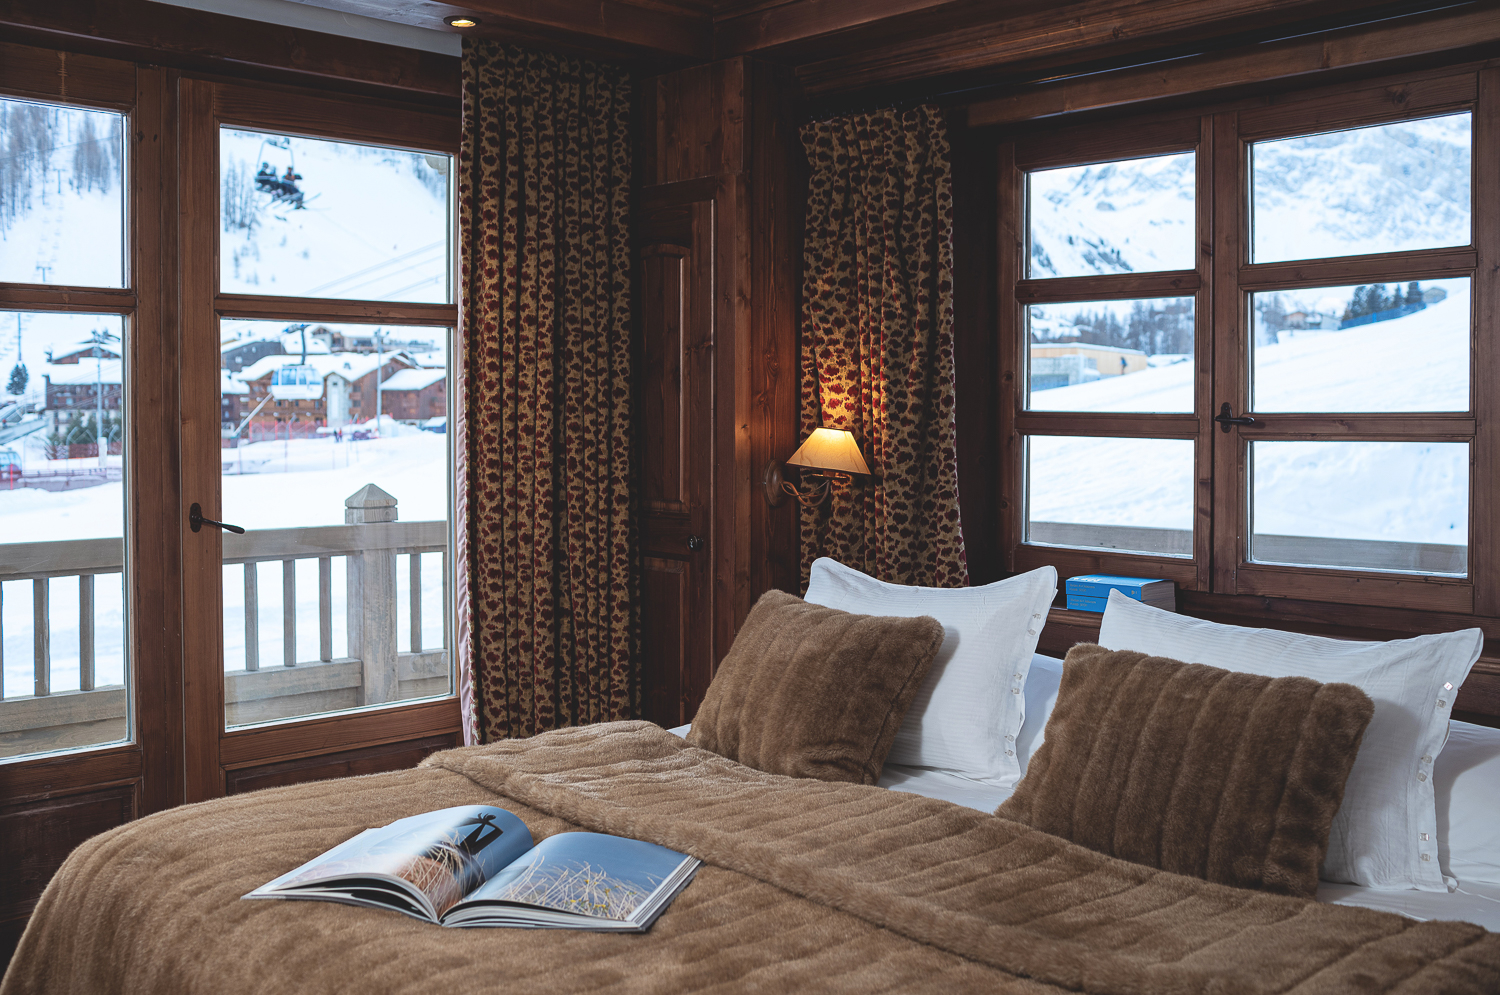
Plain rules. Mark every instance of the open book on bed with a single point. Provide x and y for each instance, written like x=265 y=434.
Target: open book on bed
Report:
x=476 y=865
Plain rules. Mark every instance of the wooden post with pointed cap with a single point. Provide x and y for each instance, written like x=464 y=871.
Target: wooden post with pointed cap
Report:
x=372 y=599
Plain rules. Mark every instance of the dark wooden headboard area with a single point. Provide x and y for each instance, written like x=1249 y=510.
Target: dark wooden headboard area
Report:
x=1478 y=699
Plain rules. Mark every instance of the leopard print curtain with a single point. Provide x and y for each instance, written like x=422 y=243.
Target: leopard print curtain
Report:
x=544 y=189
x=877 y=343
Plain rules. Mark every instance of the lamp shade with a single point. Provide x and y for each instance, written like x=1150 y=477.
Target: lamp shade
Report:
x=830 y=449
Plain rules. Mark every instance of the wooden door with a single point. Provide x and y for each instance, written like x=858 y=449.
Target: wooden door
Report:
x=675 y=261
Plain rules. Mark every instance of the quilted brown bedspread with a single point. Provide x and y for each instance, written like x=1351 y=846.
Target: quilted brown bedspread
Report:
x=810 y=887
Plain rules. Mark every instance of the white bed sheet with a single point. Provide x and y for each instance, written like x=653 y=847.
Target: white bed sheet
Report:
x=1476 y=903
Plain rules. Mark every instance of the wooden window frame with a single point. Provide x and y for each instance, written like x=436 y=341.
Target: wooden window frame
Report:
x=178 y=749
x=205 y=106
x=147 y=764
x=1223 y=281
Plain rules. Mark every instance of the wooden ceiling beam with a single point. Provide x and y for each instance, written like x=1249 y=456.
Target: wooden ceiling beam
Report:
x=675 y=32
x=1065 y=34
x=743 y=27
x=1409 y=37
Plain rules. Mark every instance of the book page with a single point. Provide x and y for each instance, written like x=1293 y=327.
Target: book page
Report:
x=589 y=874
x=443 y=854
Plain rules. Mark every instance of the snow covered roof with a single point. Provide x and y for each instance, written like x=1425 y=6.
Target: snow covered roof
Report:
x=229 y=384
x=413 y=379
x=82 y=374
x=349 y=365
x=85 y=350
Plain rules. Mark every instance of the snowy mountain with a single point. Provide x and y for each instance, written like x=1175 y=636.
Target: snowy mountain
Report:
x=1377 y=189
x=372 y=225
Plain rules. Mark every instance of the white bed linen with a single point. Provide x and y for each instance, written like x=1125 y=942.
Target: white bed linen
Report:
x=1476 y=903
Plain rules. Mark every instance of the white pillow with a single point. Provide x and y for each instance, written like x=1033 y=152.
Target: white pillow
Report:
x=969 y=710
x=1385 y=833
x=1040 y=696
x=1467 y=785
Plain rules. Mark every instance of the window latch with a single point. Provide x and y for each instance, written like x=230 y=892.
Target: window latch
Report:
x=197 y=521
x=1225 y=419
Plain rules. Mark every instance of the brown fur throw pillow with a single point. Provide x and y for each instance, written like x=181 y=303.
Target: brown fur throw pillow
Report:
x=1222 y=775
x=809 y=691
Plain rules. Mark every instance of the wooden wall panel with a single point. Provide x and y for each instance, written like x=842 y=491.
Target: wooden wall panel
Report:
x=724 y=136
x=778 y=177
x=36 y=837
x=976 y=350
x=203 y=41
x=346 y=763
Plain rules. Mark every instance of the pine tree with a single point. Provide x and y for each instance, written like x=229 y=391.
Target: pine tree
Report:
x=18 y=380
x=1356 y=307
x=1414 y=293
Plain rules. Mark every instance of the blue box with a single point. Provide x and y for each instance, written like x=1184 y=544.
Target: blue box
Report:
x=1079 y=603
x=1090 y=592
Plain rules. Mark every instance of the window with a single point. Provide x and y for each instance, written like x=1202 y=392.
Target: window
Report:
x=65 y=672
x=139 y=382
x=1245 y=353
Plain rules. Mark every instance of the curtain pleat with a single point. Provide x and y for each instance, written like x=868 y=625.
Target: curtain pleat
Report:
x=544 y=210
x=877 y=343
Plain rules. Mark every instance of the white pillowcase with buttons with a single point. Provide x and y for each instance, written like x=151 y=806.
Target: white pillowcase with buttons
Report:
x=975 y=684
x=1385 y=834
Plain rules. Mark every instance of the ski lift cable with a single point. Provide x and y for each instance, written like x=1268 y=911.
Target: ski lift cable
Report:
x=380 y=265
x=420 y=283
x=404 y=271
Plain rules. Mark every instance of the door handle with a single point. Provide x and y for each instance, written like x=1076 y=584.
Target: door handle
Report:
x=197 y=521
x=695 y=543
x=1225 y=420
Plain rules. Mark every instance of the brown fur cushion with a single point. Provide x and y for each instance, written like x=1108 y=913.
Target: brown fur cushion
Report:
x=809 y=691
x=1225 y=776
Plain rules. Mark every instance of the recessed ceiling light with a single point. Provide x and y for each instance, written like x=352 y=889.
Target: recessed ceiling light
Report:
x=460 y=21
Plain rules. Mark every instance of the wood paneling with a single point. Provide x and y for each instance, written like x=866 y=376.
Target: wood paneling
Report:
x=37 y=837
x=344 y=763
x=778 y=197
x=199 y=40
x=976 y=356
x=43 y=72
x=719 y=142
x=676 y=409
x=1418 y=35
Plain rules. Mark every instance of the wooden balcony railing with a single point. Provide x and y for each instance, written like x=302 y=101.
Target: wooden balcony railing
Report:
x=375 y=670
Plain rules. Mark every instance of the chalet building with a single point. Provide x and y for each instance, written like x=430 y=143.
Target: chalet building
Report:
x=82 y=351
x=415 y=394
x=236 y=358
x=76 y=388
x=349 y=380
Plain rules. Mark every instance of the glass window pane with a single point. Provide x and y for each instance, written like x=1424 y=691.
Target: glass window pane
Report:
x=306 y=217
x=1378 y=347
x=1394 y=506
x=1133 y=216
x=63 y=684
x=1134 y=495
x=320 y=613
x=1387 y=188
x=61 y=195
x=1111 y=355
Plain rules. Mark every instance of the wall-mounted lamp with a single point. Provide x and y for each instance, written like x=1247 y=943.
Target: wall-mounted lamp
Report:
x=828 y=456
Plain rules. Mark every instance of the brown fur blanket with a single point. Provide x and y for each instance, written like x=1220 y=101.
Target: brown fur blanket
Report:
x=810 y=887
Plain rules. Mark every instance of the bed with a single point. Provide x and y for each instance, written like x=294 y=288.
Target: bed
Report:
x=909 y=884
